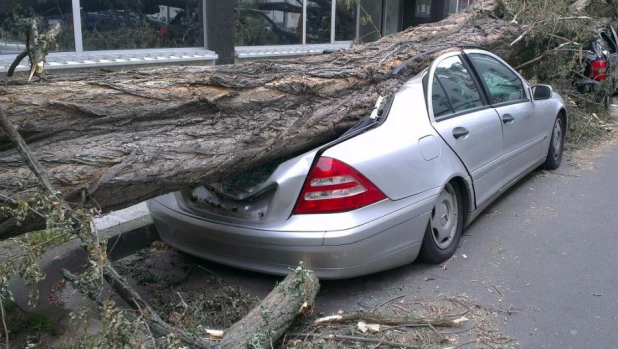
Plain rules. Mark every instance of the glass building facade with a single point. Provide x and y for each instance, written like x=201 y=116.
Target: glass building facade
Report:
x=108 y=32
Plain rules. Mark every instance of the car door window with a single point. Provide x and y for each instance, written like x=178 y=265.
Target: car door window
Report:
x=502 y=84
x=441 y=105
x=453 y=88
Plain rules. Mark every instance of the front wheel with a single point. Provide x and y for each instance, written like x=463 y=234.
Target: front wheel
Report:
x=554 y=154
x=445 y=226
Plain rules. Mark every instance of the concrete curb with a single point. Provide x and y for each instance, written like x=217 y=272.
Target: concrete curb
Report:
x=117 y=222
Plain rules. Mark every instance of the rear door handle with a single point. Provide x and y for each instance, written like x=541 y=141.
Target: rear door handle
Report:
x=460 y=132
x=507 y=118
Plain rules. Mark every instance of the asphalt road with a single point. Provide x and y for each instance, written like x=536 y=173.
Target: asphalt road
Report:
x=548 y=246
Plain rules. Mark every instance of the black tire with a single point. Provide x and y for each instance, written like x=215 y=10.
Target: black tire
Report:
x=437 y=247
x=556 y=145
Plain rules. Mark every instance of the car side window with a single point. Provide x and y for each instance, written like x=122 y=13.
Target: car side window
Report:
x=502 y=84
x=453 y=88
x=440 y=103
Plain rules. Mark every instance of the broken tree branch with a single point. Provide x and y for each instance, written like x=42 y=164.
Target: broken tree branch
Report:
x=386 y=302
x=337 y=337
x=28 y=156
x=156 y=325
x=272 y=317
x=4 y=327
x=20 y=57
x=393 y=321
x=532 y=26
x=544 y=54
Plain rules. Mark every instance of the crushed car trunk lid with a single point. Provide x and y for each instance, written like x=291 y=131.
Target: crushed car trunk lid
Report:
x=268 y=192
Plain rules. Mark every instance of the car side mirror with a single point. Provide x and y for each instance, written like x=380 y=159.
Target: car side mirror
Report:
x=541 y=92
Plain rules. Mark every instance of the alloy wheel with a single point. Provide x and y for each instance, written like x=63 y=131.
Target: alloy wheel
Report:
x=557 y=141
x=444 y=218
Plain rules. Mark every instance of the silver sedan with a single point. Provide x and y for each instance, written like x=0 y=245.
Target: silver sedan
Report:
x=401 y=185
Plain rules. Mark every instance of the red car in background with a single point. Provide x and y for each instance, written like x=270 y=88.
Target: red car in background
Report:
x=600 y=65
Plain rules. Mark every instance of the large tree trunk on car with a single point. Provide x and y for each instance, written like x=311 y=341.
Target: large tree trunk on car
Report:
x=131 y=135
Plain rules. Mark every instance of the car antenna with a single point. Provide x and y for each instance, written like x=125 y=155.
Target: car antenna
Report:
x=421 y=55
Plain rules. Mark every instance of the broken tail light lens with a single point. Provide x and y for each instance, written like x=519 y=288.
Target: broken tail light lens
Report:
x=598 y=70
x=333 y=186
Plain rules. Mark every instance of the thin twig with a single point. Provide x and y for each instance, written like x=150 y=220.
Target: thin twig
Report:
x=464 y=344
x=400 y=307
x=543 y=22
x=93 y=230
x=31 y=160
x=462 y=331
x=487 y=344
x=583 y=130
x=561 y=37
x=572 y=17
x=559 y=48
x=514 y=20
x=285 y=336
x=377 y=345
x=341 y=338
x=183 y=304
x=11 y=200
x=497 y=290
x=40 y=244
x=521 y=36
x=440 y=335
x=210 y=271
x=388 y=301
x=152 y=338
x=578 y=97
x=6 y=330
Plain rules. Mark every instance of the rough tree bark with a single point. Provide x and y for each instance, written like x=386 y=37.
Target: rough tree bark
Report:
x=269 y=321
x=131 y=135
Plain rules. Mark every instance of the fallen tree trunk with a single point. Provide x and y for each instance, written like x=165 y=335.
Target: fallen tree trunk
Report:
x=268 y=321
x=132 y=135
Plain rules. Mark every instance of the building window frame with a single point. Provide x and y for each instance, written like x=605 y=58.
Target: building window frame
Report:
x=304 y=48
x=87 y=58
x=80 y=58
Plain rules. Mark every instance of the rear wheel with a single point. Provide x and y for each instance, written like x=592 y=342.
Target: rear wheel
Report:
x=554 y=154
x=445 y=226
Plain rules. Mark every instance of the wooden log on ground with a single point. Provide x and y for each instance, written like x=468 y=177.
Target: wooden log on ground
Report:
x=448 y=321
x=131 y=135
x=274 y=315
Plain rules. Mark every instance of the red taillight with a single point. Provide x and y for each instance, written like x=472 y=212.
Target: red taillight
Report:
x=333 y=186
x=598 y=70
